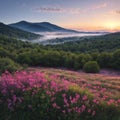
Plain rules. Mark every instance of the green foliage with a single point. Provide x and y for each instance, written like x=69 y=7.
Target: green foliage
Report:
x=115 y=60
x=104 y=43
x=104 y=60
x=8 y=64
x=38 y=55
x=91 y=67
x=80 y=60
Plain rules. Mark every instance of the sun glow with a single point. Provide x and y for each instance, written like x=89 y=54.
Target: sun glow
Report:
x=111 y=26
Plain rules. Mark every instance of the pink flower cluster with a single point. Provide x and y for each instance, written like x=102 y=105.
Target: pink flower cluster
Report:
x=13 y=87
x=101 y=92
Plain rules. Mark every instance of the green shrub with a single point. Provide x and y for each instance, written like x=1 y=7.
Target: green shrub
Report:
x=91 y=67
x=8 y=64
x=115 y=60
x=104 y=60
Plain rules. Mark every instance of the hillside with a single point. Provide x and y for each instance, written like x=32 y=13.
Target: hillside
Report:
x=108 y=42
x=55 y=94
x=104 y=79
x=16 y=33
x=39 y=27
x=30 y=54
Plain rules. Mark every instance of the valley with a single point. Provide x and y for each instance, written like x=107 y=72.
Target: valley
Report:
x=60 y=60
x=74 y=74
x=53 y=34
x=61 y=37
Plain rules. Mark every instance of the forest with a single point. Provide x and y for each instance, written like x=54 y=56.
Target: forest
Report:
x=13 y=51
x=102 y=43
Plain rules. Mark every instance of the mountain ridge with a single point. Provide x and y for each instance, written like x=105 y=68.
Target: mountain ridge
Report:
x=16 y=33
x=40 y=27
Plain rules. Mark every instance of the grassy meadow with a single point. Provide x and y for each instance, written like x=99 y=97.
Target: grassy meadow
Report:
x=59 y=94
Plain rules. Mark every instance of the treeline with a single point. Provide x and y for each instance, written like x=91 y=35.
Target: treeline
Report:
x=21 y=53
x=69 y=60
x=107 y=43
x=9 y=49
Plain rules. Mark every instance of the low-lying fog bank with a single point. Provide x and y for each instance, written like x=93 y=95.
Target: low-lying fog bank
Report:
x=61 y=37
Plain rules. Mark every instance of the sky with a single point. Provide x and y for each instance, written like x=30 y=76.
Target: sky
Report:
x=89 y=15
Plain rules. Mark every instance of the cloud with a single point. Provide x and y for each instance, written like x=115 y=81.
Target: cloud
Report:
x=58 y=10
x=114 y=12
x=49 y=9
x=99 y=6
x=117 y=11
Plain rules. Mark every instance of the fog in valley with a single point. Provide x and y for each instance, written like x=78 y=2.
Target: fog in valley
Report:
x=49 y=37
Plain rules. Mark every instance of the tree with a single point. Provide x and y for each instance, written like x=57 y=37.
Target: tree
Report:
x=91 y=67
x=8 y=64
x=115 y=60
x=104 y=60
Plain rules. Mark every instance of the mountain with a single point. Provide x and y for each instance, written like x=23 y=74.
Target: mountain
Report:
x=39 y=27
x=114 y=34
x=16 y=33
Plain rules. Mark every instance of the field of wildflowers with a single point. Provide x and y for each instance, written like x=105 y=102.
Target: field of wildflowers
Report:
x=54 y=94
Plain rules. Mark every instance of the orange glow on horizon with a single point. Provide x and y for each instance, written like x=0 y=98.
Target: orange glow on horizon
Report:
x=111 y=27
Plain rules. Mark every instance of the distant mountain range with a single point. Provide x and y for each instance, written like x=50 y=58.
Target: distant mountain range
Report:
x=45 y=27
x=26 y=30
x=16 y=33
x=39 y=27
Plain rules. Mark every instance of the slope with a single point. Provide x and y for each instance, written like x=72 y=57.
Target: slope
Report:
x=39 y=27
x=16 y=33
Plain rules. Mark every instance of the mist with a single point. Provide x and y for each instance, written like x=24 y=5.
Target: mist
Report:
x=50 y=36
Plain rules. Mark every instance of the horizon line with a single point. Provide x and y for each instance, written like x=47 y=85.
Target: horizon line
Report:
x=88 y=29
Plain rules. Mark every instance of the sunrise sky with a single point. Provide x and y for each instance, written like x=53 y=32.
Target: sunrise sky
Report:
x=90 y=15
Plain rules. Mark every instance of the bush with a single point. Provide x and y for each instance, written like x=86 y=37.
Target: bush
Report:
x=8 y=64
x=91 y=67
x=104 y=60
x=115 y=60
